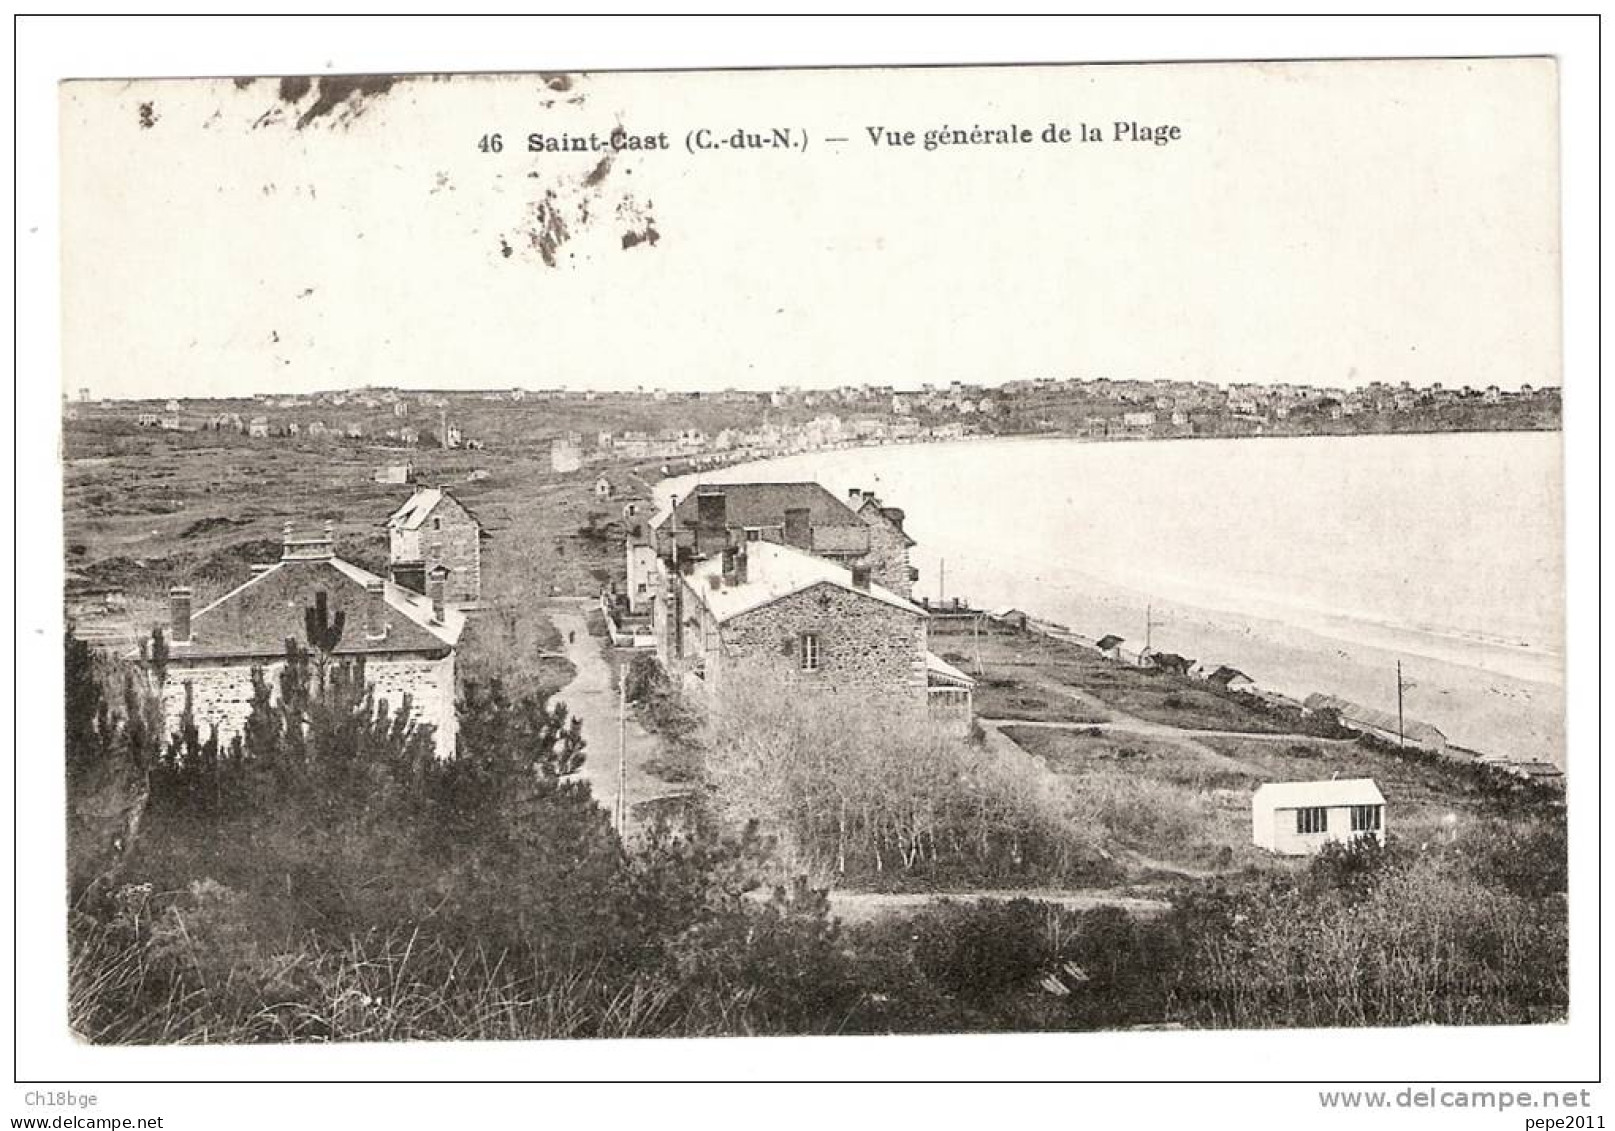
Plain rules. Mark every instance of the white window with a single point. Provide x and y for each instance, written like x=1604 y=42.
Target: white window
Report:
x=809 y=651
x=1365 y=818
x=1314 y=820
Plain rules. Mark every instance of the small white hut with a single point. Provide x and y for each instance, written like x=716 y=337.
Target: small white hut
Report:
x=1296 y=818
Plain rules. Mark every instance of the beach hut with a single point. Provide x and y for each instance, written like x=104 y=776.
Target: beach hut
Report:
x=1297 y=818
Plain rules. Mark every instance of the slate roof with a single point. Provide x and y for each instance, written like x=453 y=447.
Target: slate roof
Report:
x=1226 y=675
x=421 y=504
x=1355 y=713
x=774 y=571
x=255 y=620
x=765 y=504
x=1307 y=794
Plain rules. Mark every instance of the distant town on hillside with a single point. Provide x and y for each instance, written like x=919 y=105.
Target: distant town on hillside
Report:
x=652 y=423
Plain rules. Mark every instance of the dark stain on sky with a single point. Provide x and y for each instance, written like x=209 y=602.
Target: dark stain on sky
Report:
x=332 y=92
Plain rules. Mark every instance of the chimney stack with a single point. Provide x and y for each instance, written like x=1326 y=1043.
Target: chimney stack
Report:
x=728 y=565
x=436 y=584
x=375 y=610
x=860 y=577
x=711 y=520
x=179 y=614
x=799 y=528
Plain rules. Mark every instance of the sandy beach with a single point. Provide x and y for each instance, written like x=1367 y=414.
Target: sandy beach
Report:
x=1311 y=564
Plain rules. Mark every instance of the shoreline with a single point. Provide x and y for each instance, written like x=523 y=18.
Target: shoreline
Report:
x=1483 y=689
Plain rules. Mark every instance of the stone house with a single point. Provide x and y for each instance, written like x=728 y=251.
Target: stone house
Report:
x=804 y=515
x=889 y=543
x=822 y=627
x=407 y=640
x=435 y=530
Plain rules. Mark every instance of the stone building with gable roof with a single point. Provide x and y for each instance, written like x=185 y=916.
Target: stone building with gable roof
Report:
x=407 y=640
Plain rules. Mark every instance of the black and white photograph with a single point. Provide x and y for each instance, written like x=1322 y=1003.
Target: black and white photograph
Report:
x=557 y=559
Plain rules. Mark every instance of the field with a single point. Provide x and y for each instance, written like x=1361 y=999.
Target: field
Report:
x=1165 y=766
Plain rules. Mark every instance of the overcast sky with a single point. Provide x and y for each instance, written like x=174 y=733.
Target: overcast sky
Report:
x=1332 y=223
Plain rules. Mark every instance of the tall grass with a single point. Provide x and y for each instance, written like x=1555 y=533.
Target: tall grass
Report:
x=399 y=986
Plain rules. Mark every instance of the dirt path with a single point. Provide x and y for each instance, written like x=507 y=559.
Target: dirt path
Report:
x=1163 y=730
x=591 y=698
x=864 y=906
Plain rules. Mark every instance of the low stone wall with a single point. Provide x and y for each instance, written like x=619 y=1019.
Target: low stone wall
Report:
x=222 y=694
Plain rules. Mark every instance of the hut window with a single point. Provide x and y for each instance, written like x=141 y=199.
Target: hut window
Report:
x=1365 y=818
x=1314 y=820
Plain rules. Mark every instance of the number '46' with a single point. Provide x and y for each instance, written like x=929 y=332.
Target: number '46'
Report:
x=491 y=143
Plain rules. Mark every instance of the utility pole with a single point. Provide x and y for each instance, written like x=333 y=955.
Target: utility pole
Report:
x=942 y=582
x=622 y=754
x=1149 y=625
x=1401 y=728
x=975 y=624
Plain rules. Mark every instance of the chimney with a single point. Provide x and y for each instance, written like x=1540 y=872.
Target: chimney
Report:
x=860 y=577
x=179 y=614
x=742 y=567
x=855 y=496
x=436 y=583
x=307 y=547
x=728 y=565
x=798 y=528
x=711 y=520
x=375 y=610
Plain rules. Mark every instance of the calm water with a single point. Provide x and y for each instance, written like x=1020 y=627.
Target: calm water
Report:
x=1313 y=564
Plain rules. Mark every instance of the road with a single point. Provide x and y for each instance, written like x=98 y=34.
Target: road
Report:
x=591 y=697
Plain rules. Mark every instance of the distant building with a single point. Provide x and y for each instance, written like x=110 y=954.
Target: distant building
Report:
x=407 y=640
x=1381 y=724
x=433 y=529
x=258 y=427
x=1300 y=817
x=603 y=488
x=393 y=473
x=1231 y=679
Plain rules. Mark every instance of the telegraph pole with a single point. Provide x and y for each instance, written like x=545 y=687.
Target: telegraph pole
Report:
x=942 y=582
x=1149 y=626
x=1401 y=728
x=622 y=754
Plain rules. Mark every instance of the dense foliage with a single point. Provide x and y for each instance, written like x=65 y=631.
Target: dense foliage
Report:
x=325 y=878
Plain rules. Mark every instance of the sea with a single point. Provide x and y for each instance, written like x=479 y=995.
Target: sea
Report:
x=1310 y=563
